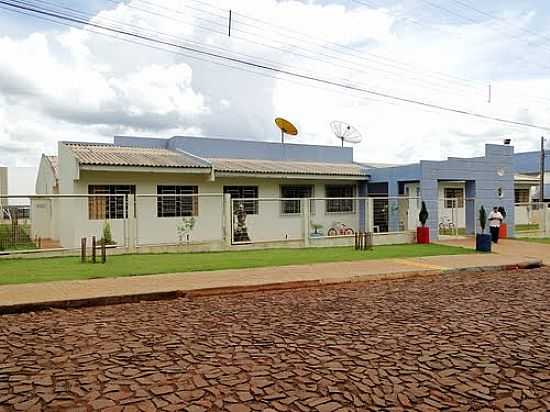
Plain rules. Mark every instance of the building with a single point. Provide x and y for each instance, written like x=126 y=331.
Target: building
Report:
x=3 y=185
x=176 y=179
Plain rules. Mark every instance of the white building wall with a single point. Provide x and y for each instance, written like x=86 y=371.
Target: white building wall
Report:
x=268 y=225
x=3 y=185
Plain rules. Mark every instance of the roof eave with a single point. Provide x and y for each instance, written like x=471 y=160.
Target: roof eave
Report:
x=145 y=169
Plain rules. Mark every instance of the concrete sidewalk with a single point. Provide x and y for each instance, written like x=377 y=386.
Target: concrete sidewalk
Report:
x=65 y=294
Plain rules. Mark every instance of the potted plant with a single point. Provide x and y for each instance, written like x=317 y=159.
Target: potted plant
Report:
x=317 y=227
x=107 y=237
x=185 y=228
x=483 y=240
x=503 y=231
x=423 y=232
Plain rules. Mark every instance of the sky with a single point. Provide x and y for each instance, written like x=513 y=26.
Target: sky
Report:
x=60 y=83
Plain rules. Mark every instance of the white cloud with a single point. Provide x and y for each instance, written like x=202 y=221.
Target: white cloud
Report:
x=75 y=85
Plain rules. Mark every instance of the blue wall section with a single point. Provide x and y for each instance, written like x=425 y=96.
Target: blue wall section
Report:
x=483 y=176
x=530 y=162
x=244 y=149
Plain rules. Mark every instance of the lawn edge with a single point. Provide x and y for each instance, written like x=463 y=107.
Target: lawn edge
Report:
x=231 y=290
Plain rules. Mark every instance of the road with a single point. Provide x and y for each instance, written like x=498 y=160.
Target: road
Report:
x=453 y=342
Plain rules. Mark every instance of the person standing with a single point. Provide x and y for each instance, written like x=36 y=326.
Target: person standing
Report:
x=495 y=219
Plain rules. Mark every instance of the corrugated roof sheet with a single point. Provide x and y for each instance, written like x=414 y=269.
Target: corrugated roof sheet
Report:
x=287 y=167
x=54 y=165
x=110 y=155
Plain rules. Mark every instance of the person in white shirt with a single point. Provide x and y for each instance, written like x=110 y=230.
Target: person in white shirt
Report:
x=495 y=219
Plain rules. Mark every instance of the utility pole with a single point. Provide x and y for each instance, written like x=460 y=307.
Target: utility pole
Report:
x=542 y=170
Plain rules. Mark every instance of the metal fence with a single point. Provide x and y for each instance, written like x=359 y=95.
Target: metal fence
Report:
x=217 y=221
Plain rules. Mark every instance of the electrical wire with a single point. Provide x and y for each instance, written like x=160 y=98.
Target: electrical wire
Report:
x=302 y=76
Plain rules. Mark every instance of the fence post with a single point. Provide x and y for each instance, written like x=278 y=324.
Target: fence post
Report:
x=306 y=207
x=131 y=217
x=94 y=251
x=227 y=219
x=83 y=250
x=370 y=215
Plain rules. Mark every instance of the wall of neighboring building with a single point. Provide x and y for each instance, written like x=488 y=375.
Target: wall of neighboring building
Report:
x=44 y=211
x=3 y=185
x=488 y=179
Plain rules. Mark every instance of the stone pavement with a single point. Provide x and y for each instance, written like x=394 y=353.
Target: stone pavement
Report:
x=456 y=342
x=23 y=297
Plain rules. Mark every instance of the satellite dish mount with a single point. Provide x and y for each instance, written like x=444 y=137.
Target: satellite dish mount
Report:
x=286 y=128
x=345 y=132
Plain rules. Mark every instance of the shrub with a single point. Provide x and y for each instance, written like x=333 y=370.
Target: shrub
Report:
x=423 y=215
x=107 y=237
x=482 y=219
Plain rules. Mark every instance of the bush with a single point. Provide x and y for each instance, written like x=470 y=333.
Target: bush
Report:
x=107 y=238
x=482 y=219
x=423 y=215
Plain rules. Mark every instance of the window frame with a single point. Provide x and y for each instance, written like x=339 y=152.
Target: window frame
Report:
x=449 y=200
x=111 y=207
x=330 y=204
x=251 y=207
x=522 y=191
x=181 y=206
x=297 y=204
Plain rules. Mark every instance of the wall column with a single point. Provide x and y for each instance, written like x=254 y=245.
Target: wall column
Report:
x=132 y=230
x=362 y=192
x=470 y=207
x=227 y=219
x=306 y=215
x=393 y=206
x=429 y=195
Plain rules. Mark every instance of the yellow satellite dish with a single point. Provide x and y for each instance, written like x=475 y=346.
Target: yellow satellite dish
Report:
x=286 y=128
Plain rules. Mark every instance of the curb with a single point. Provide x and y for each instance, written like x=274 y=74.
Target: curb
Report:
x=268 y=287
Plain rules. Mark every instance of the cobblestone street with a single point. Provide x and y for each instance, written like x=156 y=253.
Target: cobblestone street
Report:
x=454 y=342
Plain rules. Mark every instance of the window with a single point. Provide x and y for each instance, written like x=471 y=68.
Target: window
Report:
x=244 y=192
x=340 y=205
x=114 y=206
x=454 y=197
x=178 y=205
x=289 y=207
x=522 y=195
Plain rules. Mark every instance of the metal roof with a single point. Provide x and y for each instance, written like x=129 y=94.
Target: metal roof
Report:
x=111 y=155
x=287 y=167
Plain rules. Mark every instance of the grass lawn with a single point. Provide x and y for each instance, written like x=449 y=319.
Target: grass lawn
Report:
x=526 y=228
x=22 y=239
x=535 y=240
x=66 y=268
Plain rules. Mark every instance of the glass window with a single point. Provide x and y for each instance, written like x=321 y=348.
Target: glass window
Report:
x=522 y=195
x=340 y=205
x=294 y=192
x=184 y=201
x=245 y=192
x=454 y=197
x=114 y=206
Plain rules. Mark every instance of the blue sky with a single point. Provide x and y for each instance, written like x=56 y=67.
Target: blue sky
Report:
x=61 y=84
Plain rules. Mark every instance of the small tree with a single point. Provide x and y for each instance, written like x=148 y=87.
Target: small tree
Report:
x=423 y=215
x=482 y=219
x=107 y=237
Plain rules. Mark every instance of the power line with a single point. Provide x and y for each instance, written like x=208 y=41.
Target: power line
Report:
x=275 y=70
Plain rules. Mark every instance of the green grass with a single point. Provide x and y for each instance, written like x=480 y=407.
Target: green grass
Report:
x=526 y=228
x=535 y=240
x=22 y=242
x=67 y=268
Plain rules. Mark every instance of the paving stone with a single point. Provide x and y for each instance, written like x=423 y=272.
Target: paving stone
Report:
x=455 y=342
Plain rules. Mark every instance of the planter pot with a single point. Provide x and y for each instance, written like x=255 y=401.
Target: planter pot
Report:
x=503 y=231
x=483 y=242
x=423 y=235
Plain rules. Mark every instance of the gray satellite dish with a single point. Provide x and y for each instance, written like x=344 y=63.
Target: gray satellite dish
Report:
x=345 y=132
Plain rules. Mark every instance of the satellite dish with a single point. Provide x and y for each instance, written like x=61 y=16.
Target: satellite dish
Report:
x=345 y=132
x=286 y=128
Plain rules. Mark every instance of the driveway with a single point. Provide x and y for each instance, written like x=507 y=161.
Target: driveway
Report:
x=452 y=342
